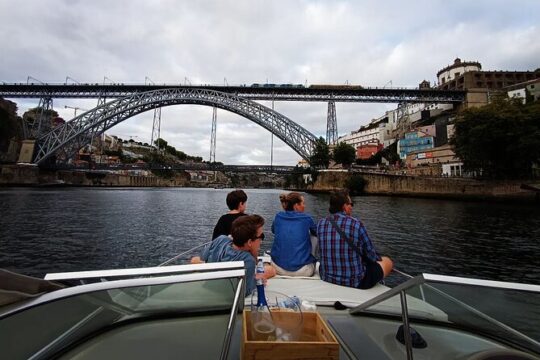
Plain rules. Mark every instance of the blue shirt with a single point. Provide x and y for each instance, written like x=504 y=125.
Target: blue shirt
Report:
x=340 y=263
x=221 y=249
x=292 y=244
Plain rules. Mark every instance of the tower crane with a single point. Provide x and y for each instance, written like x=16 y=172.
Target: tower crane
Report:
x=75 y=108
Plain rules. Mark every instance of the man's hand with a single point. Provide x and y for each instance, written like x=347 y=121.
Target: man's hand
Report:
x=196 y=260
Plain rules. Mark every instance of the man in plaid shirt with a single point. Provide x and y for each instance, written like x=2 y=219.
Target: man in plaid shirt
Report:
x=340 y=263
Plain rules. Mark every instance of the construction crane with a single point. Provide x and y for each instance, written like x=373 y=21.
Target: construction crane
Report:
x=75 y=108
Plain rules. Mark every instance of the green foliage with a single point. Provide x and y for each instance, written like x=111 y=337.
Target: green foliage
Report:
x=169 y=149
x=160 y=143
x=9 y=123
x=344 y=154
x=501 y=139
x=356 y=184
x=32 y=115
x=321 y=154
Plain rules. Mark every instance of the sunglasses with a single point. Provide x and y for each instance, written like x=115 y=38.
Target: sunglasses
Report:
x=260 y=237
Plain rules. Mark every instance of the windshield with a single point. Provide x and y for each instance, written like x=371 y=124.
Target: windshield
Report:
x=504 y=311
x=72 y=314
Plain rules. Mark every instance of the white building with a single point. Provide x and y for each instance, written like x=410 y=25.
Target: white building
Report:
x=520 y=94
x=458 y=68
x=368 y=134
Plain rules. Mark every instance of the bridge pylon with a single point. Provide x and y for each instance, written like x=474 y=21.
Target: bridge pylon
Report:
x=331 y=124
x=156 y=128
x=213 y=136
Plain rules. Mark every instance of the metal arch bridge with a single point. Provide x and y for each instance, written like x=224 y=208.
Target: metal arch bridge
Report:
x=72 y=135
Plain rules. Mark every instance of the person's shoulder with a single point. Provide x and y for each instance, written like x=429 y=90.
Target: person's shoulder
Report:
x=221 y=239
x=236 y=215
x=322 y=220
x=352 y=221
x=298 y=215
x=222 y=218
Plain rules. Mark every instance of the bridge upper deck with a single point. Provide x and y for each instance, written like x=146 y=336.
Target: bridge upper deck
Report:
x=277 y=92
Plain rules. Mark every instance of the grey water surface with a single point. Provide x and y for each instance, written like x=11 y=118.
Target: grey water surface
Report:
x=74 y=229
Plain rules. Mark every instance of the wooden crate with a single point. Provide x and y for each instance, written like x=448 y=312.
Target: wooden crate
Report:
x=316 y=342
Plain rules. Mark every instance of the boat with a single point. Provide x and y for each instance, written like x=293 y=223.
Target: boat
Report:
x=195 y=312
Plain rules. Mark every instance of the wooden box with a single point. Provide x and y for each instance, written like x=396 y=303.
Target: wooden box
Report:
x=315 y=342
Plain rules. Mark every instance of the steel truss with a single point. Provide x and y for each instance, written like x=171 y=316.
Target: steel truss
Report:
x=77 y=132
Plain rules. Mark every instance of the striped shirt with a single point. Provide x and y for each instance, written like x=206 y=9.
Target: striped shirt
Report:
x=340 y=264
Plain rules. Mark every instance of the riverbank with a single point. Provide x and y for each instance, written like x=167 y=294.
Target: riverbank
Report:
x=17 y=175
x=431 y=187
x=29 y=175
x=375 y=183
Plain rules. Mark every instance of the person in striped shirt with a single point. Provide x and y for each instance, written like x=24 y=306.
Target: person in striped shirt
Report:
x=341 y=263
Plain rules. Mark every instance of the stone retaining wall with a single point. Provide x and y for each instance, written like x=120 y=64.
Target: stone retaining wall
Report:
x=463 y=188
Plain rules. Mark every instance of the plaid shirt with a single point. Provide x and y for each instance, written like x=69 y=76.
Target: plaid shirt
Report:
x=340 y=264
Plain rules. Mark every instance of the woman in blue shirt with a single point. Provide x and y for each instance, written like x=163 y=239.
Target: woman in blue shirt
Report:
x=292 y=250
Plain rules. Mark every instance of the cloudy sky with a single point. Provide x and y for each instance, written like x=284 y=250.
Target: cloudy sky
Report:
x=372 y=43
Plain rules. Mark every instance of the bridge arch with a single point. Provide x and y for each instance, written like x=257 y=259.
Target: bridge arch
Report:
x=74 y=134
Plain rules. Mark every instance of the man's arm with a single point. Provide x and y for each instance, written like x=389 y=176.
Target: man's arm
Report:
x=365 y=243
x=251 y=283
x=312 y=226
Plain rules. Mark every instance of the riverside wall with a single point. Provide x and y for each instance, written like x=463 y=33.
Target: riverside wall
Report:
x=13 y=175
x=436 y=187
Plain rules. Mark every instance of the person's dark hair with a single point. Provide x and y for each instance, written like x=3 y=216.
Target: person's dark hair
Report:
x=245 y=228
x=292 y=199
x=234 y=198
x=337 y=200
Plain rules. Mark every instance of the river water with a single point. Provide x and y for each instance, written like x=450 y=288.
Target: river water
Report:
x=74 y=229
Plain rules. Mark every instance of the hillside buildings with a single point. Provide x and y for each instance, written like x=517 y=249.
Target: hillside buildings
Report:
x=422 y=131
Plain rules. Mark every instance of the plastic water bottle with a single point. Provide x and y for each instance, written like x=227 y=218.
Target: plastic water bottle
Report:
x=263 y=325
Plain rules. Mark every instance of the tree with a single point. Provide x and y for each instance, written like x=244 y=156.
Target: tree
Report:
x=321 y=154
x=501 y=139
x=32 y=115
x=160 y=143
x=344 y=154
x=9 y=123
